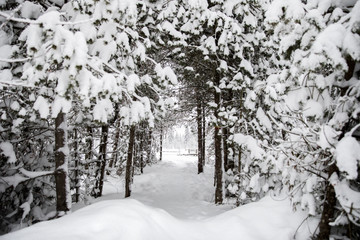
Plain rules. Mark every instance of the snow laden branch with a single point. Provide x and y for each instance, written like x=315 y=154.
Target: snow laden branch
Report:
x=37 y=22
x=24 y=176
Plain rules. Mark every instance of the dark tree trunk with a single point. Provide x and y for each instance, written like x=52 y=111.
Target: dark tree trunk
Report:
x=102 y=153
x=76 y=159
x=239 y=160
x=199 y=133
x=88 y=159
x=148 y=160
x=89 y=147
x=225 y=148
x=161 y=141
x=328 y=208
x=115 y=153
x=128 y=174
x=217 y=139
x=63 y=200
x=203 y=134
x=141 y=151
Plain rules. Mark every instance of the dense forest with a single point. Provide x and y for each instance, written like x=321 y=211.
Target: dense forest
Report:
x=268 y=90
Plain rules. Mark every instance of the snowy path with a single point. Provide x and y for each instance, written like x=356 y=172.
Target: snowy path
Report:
x=175 y=186
x=183 y=211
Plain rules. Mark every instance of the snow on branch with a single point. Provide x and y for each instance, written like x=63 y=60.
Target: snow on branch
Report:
x=29 y=21
x=15 y=60
x=24 y=176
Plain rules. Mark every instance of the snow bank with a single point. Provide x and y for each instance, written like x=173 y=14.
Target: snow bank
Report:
x=130 y=219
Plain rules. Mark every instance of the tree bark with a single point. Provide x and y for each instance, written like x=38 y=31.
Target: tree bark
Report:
x=128 y=174
x=199 y=134
x=103 y=152
x=161 y=141
x=115 y=153
x=63 y=198
x=141 y=151
x=328 y=208
x=239 y=160
x=88 y=159
x=203 y=134
x=76 y=159
x=225 y=148
x=148 y=160
x=218 y=139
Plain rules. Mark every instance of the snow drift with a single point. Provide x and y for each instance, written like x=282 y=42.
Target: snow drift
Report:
x=130 y=219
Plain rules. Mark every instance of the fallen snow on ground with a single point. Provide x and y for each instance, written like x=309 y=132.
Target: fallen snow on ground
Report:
x=171 y=201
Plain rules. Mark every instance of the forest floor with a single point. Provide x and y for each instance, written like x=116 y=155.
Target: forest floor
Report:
x=171 y=201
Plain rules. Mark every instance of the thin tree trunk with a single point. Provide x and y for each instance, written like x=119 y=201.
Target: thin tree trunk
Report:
x=218 y=139
x=63 y=198
x=141 y=151
x=161 y=141
x=115 y=153
x=76 y=159
x=203 y=134
x=88 y=159
x=239 y=160
x=225 y=148
x=148 y=160
x=129 y=164
x=103 y=146
x=199 y=133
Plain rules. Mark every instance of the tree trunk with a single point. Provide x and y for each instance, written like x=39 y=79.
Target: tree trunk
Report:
x=141 y=151
x=76 y=159
x=148 y=160
x=88 y=159
x=129 y=164
x=203 y=134
x=239 y=161
x=102 y=153
x=115 y=153
x=225 y=148
x=328 y=208
x=161 y=141
x=217 y=139
x=63 y=198
x=199 y=133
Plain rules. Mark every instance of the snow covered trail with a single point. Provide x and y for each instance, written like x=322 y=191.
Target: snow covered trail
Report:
x=170 y=201
x=175 y=186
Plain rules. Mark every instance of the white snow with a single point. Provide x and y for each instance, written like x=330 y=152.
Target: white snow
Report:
x=187 y=211
x=30 y=10
x=8 y=150
x=348 y=156
x=327 y=137
x=42 y=105
x=347 y=197
x=264 y=120
x=102 y=110
x=251 y=144
x=60 y=104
